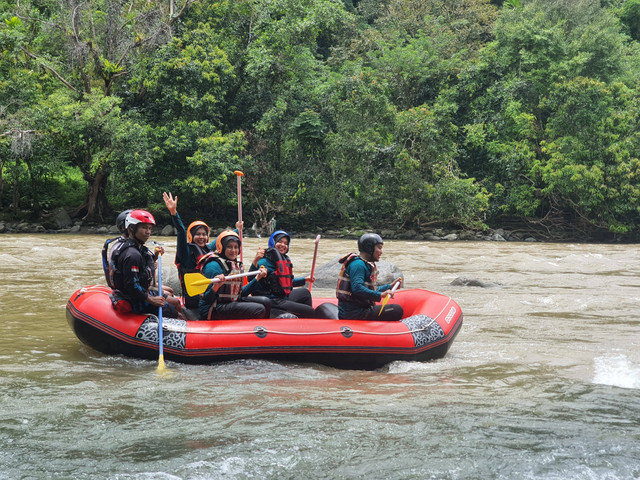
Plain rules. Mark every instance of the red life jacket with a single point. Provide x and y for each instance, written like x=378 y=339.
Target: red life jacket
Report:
x=279 y=282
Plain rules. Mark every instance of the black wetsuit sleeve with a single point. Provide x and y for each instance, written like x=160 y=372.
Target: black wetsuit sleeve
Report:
x=131 y=266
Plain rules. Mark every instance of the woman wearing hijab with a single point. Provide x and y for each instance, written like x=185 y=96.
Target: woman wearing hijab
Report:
x=279 y=283
x=227 y=298
x=192 y=244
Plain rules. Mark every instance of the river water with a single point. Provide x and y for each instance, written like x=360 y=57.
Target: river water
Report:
x=542 y=382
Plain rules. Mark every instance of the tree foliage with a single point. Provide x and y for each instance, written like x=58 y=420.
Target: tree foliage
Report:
x=410 y=112
x=548 y=107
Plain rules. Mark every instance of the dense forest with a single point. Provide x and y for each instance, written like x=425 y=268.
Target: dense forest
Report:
x=411 y=113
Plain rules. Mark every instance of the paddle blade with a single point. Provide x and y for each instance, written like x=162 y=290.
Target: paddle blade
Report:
x=161 y=365
x=385 y=300
x=196 y=283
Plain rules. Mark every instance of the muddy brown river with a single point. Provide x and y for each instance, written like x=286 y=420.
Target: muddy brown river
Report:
x=542 y=382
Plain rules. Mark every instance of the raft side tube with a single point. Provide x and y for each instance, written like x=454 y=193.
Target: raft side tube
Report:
x=350 y=344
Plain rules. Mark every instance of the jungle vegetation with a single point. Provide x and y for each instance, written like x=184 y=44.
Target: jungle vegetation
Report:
x=339 y=112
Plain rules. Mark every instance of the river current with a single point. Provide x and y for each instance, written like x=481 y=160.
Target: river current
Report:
x=542 y=382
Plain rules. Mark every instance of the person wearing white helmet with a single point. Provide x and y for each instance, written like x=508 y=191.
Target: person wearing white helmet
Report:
x=135 y=268
x=357 y=289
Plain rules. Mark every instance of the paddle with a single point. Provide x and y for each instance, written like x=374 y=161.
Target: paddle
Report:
x=196 y=283
x=239 y=174
x=385 y=300
x=313 y=264
x=160 y=339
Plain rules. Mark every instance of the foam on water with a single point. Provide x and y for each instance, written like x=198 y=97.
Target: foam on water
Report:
x=617 y=371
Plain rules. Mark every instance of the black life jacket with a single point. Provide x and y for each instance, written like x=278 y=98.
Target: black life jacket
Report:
x=230 y=290
x=278 y=283
x=343 y=289
x=116 y=249
x=197 y=252
x=106 y=258
x=147 y=270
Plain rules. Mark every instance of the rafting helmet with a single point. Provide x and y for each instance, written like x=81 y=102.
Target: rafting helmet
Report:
x=120 y=219
x=224 y=238
x=194 y=226
x=277 y=235
x=135 y=217
x=367 y=242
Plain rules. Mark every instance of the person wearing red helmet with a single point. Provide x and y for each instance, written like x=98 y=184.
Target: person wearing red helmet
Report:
x=135 y=267
x=227 y=299
x=357 y=289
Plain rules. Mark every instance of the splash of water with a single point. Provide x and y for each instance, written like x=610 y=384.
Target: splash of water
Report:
x=617 y=371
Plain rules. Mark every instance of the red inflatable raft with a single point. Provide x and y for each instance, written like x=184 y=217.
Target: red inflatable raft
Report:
x=431 y=323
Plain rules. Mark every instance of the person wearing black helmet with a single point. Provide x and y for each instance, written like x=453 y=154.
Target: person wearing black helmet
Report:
x=357 y=289
x=115 y=243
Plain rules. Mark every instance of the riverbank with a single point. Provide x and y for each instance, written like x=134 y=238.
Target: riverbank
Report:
x=504 y=229
x=520 y=233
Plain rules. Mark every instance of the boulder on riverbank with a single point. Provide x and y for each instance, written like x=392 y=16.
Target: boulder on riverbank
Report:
x=59 y=219
x=170 y=275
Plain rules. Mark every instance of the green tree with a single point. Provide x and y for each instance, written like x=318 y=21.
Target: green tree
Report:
x=280 y=86
x=359 y=145
x=419 y=47
x=630 y=17
x=538 y=47
x=87 y=49
x=180 y=92
x=430 y=184
x=593 y=149
x=21 y=155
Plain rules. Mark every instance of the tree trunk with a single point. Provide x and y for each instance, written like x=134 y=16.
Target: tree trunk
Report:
x=34 y=188
x=16 y=198
x=1 y=181
x=96 y=203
